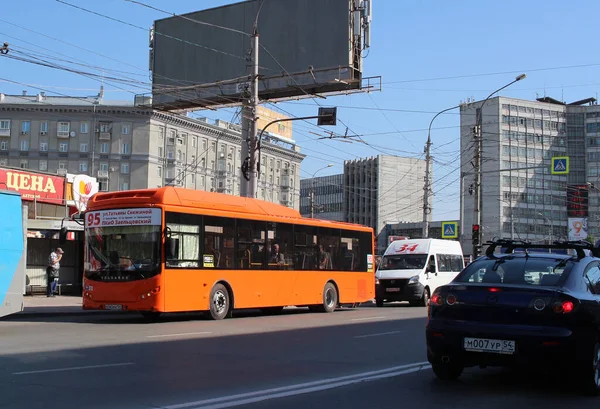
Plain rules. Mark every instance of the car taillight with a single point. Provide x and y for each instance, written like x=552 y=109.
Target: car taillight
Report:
x=563 y=307
x=451 y=299
x=437 y=299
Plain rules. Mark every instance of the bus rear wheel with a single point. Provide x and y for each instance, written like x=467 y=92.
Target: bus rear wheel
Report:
x=219 y=302
x=330 y=299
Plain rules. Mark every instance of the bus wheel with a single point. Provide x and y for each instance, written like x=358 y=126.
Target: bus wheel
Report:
x=330 y=298
x=219 y=302
x=271 y=310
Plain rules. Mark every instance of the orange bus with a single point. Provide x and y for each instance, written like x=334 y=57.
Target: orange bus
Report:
x=177 y=250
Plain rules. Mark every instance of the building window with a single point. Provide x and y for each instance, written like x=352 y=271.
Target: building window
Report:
x=104 y=148
x=159 y=171
x=5 y=124
x=24 y=145
x=4 y=146
x=125 y=129
x=104 y=167
x=193 y=178
x=85 y=127
x=124 y=186
x=161 y=152
x=194 y=141
x=3 y=162
x=179 y=155
x=24 y=164
x=44 y=127
x=83 y=166
x=125 y=149
x=63 y=147
x=83 y=147
x=25 y=127
x=44 y=165
x=63 y=128
x=124 y=168
x=62 y=165
x=103 y=186
x=105 y=127
x=43 y=146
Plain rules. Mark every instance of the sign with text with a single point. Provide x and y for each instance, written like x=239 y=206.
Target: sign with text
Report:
x=123 y=217
x=34 y=186
x=577 y=201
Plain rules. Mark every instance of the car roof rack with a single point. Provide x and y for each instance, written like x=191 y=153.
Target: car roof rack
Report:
x=578 y=245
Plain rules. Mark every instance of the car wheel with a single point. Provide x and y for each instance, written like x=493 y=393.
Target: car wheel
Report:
x=447 y=371
x=425 y=298
x=590 y=372
x=379 y=302
x=219 y=302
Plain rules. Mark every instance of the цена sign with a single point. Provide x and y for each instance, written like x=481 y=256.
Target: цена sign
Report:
x=34 y=186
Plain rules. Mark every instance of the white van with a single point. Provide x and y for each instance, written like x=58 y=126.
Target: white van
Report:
x=412 y=269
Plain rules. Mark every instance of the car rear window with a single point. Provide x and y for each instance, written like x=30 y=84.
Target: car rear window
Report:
x=543 y=272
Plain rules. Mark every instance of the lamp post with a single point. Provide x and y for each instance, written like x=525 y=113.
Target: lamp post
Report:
x=312 y=190
x=427 y=187
x=478 y=134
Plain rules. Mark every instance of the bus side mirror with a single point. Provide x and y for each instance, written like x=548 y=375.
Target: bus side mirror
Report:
x=62 y=236
x=171 y=247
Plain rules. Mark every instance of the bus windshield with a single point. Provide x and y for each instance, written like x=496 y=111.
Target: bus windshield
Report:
x=122 y=253
x=403 y=262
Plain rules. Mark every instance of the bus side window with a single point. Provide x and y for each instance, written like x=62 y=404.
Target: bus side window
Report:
x=251 y=237
x=330 y=240
x=305 y=240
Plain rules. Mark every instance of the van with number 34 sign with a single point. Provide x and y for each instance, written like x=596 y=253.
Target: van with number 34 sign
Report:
x=412 y=269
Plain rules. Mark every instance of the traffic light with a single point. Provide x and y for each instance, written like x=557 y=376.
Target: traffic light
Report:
x=327 y=116
x=475 y=235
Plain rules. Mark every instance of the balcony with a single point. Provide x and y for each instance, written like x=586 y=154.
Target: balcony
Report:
x=5 y=132
x=104 y=136
x=62 y=134
x=103 y=174
x=62 y=172
x=172 y=161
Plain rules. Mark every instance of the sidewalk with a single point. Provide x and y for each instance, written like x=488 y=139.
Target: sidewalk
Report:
x=60 y=305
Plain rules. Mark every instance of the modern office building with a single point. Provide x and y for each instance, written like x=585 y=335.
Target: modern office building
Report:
x=372 y=191
x=126 y=145
x=384 y=189
x=323 y=197
x=521 y=195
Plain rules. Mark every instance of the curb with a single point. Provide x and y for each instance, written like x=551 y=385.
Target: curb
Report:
x=35 y=314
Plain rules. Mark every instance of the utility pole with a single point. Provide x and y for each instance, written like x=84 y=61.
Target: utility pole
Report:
x=249 y=137
x=478 y=135
x=427 y=188
x=253 y=141
x=476 y=232
x=312 y=200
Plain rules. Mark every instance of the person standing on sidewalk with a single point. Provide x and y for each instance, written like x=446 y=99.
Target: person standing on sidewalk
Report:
x=52 y=271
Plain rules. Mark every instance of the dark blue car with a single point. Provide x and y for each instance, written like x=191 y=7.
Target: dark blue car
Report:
x=517 y=308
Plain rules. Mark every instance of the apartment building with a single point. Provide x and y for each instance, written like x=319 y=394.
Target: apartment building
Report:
x=522 y=198
x=127 y=145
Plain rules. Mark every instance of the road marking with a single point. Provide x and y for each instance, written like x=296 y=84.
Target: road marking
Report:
x=302 y=388
x=376 y=335
x=178 y=335
x=366 y=318
x=73 y=368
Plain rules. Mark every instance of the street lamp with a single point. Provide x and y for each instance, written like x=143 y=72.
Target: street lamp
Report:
x=312 y=190
x=478 y=133
x=427 y=187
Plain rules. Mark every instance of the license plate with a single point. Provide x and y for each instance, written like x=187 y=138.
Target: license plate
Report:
x=495 y=346
x=113 y=307
x=392 y=290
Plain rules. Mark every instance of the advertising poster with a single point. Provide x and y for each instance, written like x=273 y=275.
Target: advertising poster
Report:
x=578 y=228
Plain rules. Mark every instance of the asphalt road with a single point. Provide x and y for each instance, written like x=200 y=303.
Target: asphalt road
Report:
x=119 y=361
x=363 y=358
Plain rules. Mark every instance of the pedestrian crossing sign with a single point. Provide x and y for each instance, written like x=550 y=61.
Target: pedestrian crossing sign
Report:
x=449 y=230
x=560 y=165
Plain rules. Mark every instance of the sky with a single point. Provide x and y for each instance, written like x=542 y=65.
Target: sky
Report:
x=431 y=55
